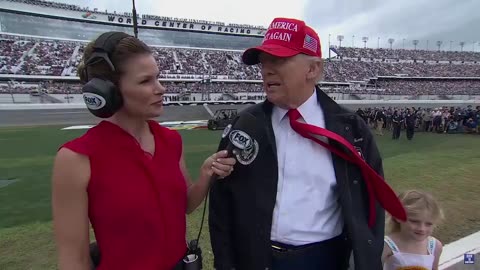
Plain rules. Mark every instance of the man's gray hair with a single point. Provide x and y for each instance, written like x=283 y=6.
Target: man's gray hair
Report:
x=315 y=59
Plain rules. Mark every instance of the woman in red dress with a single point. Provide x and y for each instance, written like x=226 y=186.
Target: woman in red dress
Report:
x=126 y=176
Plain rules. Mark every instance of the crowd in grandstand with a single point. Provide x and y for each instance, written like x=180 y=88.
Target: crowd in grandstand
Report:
x=35 y=56
x=430 y=87
x=53 y=87
x=397 y=87
x=50 y=4
x=382 y=53
x=350 y=70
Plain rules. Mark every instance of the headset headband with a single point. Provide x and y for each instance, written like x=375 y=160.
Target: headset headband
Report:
x=104 y=47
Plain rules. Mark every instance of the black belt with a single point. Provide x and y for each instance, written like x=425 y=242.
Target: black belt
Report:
x=285 y=248
x=280 y=247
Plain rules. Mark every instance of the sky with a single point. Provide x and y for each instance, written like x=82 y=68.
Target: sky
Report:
x=449 y=21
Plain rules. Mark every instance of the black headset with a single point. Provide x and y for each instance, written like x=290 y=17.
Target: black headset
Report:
x=102 y=96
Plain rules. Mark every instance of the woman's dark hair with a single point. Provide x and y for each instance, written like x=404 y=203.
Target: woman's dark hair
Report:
x=125 y=50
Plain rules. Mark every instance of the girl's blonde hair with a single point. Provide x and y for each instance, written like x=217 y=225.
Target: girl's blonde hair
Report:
x=416 y=201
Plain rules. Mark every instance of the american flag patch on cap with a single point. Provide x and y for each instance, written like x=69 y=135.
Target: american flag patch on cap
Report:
x=310 y=43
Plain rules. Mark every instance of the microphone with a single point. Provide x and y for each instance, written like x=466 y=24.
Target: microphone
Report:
x=242 y=143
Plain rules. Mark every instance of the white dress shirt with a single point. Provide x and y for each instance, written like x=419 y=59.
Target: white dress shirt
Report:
x=306 y=209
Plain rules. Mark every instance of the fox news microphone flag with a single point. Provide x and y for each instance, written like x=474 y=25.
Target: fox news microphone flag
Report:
x=242 y=139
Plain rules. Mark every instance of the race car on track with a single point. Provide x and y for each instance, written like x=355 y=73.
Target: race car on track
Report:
x=221 y=119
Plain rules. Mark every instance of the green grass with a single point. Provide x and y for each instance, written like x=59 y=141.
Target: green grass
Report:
x=446 y=165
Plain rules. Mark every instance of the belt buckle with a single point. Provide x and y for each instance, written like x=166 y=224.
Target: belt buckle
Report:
x=279 y=249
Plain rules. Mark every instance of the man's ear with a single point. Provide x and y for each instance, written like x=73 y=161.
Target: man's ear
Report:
x=321 y=72
x=310 y=69
x=315 y=70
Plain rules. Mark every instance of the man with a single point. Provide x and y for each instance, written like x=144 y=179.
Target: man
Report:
x=427 y=120
x=389 y=115
x=379 y=120
x=477 y=118
x=397 y=120
x=296 y=206
x=362 y=115
x=410 y=119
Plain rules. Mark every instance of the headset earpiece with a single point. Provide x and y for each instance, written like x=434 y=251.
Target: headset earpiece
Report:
x=102 y=97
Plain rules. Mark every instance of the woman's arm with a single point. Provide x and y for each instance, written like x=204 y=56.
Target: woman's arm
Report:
x=70 y=176
x=215 y=164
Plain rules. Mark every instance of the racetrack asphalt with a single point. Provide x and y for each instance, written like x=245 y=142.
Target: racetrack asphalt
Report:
x=84 y=117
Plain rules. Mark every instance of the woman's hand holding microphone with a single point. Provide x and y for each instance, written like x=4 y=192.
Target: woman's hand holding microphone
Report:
x=219 y=164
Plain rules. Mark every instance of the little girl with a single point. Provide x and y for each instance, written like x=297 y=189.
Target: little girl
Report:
x=409 y=245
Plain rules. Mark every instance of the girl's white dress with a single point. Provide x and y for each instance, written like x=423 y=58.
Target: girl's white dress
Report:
x=408 y=261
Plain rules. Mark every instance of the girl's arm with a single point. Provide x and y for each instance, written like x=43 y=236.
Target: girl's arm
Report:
x=387 y=252
x=438 y=253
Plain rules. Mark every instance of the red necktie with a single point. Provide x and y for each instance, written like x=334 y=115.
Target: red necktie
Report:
x=376 y=186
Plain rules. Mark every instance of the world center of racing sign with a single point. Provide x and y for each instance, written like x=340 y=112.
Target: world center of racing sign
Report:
x=167 y=24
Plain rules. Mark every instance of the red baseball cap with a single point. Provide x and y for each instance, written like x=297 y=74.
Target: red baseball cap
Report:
x=285 y=38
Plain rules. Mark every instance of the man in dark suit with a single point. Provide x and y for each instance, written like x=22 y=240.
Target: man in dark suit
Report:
x=295 y=205
x=397 y=120
x=410 y=119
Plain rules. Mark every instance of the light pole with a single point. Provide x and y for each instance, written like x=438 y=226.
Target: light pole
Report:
x=391 y=40
x=365 y=39
x=329 y=45
x=439 y=44
x=340 y=38
x=415 y=43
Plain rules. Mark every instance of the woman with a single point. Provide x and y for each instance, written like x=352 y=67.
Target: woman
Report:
x=127 y=175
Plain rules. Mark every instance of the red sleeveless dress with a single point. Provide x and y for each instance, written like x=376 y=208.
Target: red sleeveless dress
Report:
x=137 y=202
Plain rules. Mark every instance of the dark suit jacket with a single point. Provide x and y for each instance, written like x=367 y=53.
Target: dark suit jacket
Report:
x=241 y=206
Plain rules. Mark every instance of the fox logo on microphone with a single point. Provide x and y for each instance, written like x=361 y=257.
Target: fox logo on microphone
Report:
x=240 y=139
x=248 y=147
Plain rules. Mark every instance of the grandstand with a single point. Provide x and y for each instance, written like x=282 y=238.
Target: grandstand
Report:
x=41 y=43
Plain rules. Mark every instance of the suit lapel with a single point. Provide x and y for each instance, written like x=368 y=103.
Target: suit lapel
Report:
x=265 y=117
x=335 y=123
x=332 y=113
x=265 y=188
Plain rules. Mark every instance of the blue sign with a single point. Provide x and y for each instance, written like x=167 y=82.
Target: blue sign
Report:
x=468 y=258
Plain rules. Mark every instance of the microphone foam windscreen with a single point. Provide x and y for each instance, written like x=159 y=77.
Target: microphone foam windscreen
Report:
x=243 y=139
